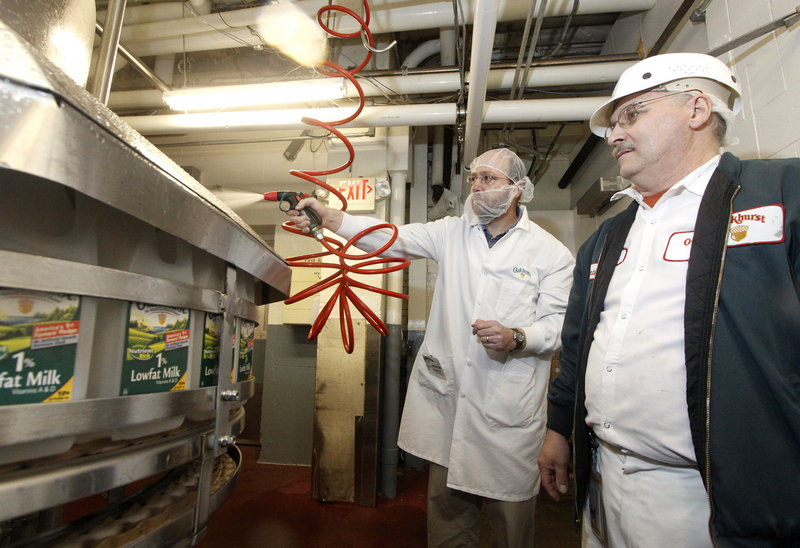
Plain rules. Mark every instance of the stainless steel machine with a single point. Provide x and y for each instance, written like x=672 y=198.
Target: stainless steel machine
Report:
x=97 y=223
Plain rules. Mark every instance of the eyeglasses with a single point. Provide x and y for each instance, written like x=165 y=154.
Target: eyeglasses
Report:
x=484 y=179
x=628 y=115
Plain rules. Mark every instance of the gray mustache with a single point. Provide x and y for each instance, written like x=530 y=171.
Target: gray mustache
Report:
x=620 y=147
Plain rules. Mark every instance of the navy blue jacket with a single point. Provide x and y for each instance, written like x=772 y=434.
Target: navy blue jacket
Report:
x=742 y=331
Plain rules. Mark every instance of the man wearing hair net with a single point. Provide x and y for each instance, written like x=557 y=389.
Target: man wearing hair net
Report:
x=475 y=407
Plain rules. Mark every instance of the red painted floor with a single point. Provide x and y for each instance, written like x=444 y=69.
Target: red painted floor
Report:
x=272 y=507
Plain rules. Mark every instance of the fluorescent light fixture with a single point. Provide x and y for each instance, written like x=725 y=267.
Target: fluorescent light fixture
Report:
x=277 y=93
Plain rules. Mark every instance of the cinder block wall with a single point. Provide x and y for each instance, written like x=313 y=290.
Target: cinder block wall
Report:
x=769 y=126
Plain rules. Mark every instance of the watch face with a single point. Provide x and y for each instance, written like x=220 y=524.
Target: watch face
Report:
x=518 y=336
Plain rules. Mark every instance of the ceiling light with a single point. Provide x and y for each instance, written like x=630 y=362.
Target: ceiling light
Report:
x=278 y=93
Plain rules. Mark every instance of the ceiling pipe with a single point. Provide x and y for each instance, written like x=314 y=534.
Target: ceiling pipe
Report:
x=150 y=13
x=439 y=173
x=480 y=61
x=495 y=112
x=437 y=82
x=437 y=156
x=517 y=89
x=397 y=165
x=195 y=34
x=447 y=42
x=420 y=53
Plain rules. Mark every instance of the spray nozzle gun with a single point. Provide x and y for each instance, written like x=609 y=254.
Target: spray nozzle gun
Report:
x=288 y=200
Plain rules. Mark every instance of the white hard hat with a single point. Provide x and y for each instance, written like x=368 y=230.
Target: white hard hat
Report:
x=672 y=72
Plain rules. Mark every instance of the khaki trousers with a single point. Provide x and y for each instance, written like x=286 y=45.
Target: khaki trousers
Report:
x=454 y=517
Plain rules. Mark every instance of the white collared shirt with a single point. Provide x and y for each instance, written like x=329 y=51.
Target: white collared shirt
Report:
x=636 y=372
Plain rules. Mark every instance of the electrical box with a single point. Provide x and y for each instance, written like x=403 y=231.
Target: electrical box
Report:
x=598 y=197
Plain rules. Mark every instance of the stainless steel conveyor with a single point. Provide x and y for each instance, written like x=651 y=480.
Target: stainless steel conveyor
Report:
x=90 y=208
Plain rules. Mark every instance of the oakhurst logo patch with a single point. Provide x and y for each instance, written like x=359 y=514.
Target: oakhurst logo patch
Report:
x=521 y=272
x=759 y=225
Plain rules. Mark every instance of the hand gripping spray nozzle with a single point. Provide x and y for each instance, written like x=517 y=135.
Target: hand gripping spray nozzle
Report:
x=288 y=200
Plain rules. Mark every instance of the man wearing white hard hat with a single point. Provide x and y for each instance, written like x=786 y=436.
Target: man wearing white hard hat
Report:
x=680 y=381
x=476 y=402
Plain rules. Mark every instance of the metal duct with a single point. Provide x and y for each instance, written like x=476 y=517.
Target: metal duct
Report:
x=63 y=30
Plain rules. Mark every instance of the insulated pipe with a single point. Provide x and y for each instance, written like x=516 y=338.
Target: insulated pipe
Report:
x=101 y=84
x=394 y=351
x=582 y=72
x=447 y=41
x=397 y=165
x=162 y=11
x=421 y=52
x=481 y=58
x=173 y=36
x=149 y=13
x=202 y=6
x=437 y=160
x=535 y=110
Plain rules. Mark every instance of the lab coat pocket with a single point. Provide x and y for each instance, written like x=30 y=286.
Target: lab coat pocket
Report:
x=434 y=373
x=516 y=300
x=510 y=394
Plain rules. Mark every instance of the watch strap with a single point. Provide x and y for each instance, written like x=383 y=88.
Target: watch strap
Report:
x=519 y=338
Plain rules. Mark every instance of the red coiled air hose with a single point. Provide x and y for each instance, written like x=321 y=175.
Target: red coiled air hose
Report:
x=366 y=264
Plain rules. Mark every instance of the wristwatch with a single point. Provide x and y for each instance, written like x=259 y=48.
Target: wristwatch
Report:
x=519 y=338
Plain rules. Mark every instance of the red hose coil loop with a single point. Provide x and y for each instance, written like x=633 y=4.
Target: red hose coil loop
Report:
x=366 y=263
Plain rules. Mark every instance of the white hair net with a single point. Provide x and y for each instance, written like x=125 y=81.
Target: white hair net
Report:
x=509 y=164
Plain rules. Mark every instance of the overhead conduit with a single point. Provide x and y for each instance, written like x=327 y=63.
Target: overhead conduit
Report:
x=193 y=34
x=577 y=71
x=481 y=58
x=539 y=110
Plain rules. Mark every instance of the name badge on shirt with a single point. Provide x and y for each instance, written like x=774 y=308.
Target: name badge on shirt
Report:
x=679 y=246
x=434 y=367
x=759 y=225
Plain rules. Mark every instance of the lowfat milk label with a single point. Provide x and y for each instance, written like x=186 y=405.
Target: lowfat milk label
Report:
x=38 y=343
x=156 y=349
x=210 y=360
x=244 y=365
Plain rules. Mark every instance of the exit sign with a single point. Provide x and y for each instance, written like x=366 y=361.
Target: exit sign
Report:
x=359 y=193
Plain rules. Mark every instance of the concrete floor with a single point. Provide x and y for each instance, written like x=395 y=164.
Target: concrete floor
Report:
x=272 y=506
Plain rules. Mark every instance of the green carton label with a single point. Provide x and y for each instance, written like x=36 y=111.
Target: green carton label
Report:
x=210 y=360
x=244 y=369
x=38 y=342
x=156 y=349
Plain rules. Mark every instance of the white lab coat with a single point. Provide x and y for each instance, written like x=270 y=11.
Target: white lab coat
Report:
x=481 y=413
